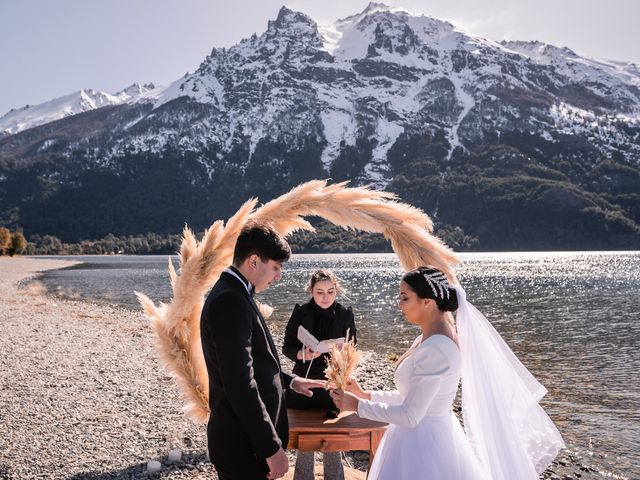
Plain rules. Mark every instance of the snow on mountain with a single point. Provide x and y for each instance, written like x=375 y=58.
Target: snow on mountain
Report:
x=564 y=57
x=353 y=88
x=84 y=100
x=375 y=74
x=613 y=74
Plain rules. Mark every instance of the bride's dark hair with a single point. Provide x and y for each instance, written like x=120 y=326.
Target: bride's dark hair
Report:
x=429 y=282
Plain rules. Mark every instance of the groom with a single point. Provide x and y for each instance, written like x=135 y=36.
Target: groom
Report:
x=248 y=427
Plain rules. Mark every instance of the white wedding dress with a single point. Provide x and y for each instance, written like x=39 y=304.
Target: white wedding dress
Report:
x=424 y=439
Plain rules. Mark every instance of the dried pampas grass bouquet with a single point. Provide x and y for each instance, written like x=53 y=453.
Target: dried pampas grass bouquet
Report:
x=341 y=363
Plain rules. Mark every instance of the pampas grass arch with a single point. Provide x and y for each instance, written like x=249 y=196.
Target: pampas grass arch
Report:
x=177 y=325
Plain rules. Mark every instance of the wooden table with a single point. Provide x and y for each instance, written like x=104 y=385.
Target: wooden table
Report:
x=311 y=430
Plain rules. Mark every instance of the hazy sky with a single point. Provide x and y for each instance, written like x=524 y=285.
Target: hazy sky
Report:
x=49 y=48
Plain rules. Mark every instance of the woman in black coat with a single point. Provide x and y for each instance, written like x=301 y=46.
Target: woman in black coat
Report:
x=325 y=319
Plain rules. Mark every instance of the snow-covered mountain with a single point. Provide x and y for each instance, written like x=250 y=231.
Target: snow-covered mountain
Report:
x=384 y=72
x=84 y=100
x=473 y=130
x=576 y=67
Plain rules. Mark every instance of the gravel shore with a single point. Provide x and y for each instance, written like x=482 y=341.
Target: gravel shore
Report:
x=82 y=396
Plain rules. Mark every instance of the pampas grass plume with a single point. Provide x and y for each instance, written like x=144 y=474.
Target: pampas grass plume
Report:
x=177 y=325
x=341 y=363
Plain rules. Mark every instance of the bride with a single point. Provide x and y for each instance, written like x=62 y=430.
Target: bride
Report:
x=508 y=435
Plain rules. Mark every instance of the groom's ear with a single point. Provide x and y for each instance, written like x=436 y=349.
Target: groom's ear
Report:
x=252 y=261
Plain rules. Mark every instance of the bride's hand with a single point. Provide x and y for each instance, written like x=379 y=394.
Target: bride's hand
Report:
x=345 y=401
x=352 y=386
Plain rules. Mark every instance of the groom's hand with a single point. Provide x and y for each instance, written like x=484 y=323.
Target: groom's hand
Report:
x=303 y=385
x=278 y=464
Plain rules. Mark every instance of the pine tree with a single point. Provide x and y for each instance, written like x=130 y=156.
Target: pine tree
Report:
x=5 y=240
x=18 y=243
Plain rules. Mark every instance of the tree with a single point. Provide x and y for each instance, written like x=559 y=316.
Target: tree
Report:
x=18 y=243
x=5 y=240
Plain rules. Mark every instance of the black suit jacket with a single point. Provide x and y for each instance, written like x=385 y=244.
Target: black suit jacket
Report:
x=246 y=383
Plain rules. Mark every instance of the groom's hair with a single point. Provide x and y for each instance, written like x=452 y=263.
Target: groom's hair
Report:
x=262 y=240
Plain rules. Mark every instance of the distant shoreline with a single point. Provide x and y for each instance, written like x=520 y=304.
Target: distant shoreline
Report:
x=327 y=238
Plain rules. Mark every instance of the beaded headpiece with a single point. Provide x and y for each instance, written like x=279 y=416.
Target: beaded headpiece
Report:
x=438 y=283
x=429 y=282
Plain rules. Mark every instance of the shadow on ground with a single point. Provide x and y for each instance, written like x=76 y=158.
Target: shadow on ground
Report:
x=189 y=462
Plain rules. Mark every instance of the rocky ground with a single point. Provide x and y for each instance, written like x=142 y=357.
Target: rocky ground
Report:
x=82 y=396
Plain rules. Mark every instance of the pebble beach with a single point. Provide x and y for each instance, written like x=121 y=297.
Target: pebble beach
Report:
x=83 y=397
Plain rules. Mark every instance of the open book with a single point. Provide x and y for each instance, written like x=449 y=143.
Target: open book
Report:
x=316 y=345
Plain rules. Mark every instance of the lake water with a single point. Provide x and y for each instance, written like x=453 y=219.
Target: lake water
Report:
x=572 y=318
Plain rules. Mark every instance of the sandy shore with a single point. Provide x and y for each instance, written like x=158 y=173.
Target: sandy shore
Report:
x=82 y=396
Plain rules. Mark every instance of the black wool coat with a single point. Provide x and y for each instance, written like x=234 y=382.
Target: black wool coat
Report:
x=322 y=328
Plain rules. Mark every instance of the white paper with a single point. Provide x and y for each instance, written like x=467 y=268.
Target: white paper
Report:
x=312 y=342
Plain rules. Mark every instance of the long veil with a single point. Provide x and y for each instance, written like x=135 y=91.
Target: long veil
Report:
x=510 y=433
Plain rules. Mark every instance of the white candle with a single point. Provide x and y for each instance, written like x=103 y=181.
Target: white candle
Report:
x=153 y=466
x=175 y=455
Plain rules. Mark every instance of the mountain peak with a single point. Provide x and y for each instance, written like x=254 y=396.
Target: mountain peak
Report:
x=132 y=89
x=136 y=89
x=371 y=9
x=291 y=25
x=79 y=101
x=537 y=49
x=389 y=34
x=377 y=7
x=287 y=17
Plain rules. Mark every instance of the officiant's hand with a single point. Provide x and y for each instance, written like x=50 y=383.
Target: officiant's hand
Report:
x=345 y=401
x=303 y=385
x=307 y=354
x=278 y=464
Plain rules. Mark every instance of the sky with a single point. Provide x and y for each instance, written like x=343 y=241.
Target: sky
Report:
x=49 y=48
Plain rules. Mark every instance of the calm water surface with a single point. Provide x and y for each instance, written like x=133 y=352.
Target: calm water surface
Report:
x=572 y=318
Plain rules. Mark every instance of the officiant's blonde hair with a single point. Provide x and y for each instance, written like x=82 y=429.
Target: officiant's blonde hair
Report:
x=322 y=275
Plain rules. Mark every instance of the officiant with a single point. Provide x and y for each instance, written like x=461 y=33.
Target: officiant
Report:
x=324 y=318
